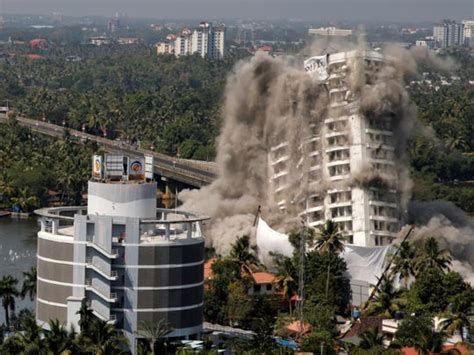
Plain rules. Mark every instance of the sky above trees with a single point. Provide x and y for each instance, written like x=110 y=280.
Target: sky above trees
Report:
x=318 y=10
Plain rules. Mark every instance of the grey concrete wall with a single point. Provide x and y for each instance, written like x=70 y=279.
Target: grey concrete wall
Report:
x=55 y=250
x=177 y=319
x=45 y=312
x=170 y=276
x=53 y=293
x=170 y=298
x=176 y=254
x=55 y=271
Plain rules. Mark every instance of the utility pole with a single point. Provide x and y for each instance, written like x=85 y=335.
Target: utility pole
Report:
x=301 y=295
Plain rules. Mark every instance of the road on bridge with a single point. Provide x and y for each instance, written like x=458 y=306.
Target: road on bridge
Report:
x=192 y=172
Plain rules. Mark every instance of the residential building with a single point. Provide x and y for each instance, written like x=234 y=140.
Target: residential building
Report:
x=100 y=41
x=128 y=40
x=205 y=40
x=335 y=151
x=217 y=48
x=469 y=32
x=264 y=284
x=330 y=31
x=164 y=48
x=114 y=24
x=449 y=33
x=127 y=260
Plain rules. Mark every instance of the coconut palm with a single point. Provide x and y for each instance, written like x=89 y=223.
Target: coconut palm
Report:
x=459 y=314
x=242 y=254
x=29 y=283
x=329 y=240
x=57 y=339
x=8 y=292
x=154 y=331
x=86 y=317
x=371 y=338
x=286 y=277
x=25 y=199
x=386 y=301
x=430 y=256
x=402 y=262
x=103 y=339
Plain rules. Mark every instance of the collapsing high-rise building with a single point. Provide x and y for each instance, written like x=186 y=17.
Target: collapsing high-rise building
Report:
x=348 y=159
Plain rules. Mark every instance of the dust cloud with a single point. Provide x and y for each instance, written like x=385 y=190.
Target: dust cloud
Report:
x=273 y=100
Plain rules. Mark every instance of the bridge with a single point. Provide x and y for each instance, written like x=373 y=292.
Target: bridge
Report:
x=191 y=172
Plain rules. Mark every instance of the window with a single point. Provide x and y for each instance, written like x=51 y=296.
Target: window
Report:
x=269 y=287
x=256 y=288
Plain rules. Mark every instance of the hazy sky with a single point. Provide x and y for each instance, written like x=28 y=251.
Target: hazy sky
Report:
x=328 y=10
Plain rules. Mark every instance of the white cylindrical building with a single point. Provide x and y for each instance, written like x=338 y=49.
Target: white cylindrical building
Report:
x=129 y=260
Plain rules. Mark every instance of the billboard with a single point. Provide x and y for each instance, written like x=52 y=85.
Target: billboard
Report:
x=97 y=167
x=136 y=169
x=317 y=66
x=115 y=166
x=149 y=165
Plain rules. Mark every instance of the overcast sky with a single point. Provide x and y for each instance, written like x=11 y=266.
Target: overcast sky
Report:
x=326 y=10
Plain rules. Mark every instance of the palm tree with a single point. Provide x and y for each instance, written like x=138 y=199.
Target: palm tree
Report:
x=103 y=339
x=57 y=339
x=154 y=331
x=29 y=283
x=25 y=199
x=8 y=292
x=29 y=336
x=286 y=277
x=402 y=262
x=329 y=240
x=86 y=317
x=242 y=254
x=459 y=314
x=431 y=257
x=386 y=301
x=371 y=338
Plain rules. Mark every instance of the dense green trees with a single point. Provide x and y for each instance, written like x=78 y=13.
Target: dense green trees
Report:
x=34 y=167
x=172 y=104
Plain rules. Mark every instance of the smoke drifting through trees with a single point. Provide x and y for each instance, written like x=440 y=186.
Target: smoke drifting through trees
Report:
x=272 y=100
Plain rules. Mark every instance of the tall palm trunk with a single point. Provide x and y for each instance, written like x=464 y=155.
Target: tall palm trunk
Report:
x=329 y=272
x=7 y=316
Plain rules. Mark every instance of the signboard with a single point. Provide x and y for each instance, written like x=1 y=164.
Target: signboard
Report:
x=317 y=66
x=97 y=167
x=114 y=166
x=149 y=166
x=136 y=169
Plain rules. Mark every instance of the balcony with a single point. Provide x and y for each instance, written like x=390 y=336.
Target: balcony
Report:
x=106 y=295
x=111 y=255
x=111 y=275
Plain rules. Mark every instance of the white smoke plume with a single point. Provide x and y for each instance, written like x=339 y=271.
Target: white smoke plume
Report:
x=452 y=229
x=272 y=100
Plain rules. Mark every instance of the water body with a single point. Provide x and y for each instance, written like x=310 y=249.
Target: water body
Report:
x=17 y=253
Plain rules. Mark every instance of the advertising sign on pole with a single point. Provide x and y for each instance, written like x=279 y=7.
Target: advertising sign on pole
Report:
x=149 y=166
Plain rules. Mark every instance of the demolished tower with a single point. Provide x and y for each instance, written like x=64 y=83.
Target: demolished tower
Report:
x=348 y=159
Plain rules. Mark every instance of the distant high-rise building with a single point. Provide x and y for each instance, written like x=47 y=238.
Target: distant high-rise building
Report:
x=468 y=32
x=449 y=33
x=330 y=31
x=205 y=40
x=114 y=24
x=218 y=37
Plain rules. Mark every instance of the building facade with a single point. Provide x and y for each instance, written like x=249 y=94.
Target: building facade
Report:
x=330 y=31
x=131 y=262
x=345 y=143
x=449 y=33
x=206 y=40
